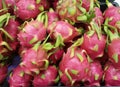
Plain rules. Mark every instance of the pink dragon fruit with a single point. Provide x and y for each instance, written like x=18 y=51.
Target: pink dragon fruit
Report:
x=99 y=19
x=95 y=74
x=49 y=77
x=29 y=9
x=74 y=66
x=66 y=33
x=113 y=15
x=93 y=44
x=111 y=75
x=18 y=78
x=3 y=72
x=32 y=32
x=34 y=60
x=9 y=28
x=114 y=52
x=56 y=56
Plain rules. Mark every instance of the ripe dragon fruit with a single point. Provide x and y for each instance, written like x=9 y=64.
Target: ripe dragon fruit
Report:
x=9 y=28
x=95 y=74
x=113 y=15
x=29 y=9
x=114 y=52
x=49 y=77
x=66 y=33
x=18 y=78
x=34 y=59
x=32 y=32
x=111 y=75
x=73 y=67
x=3 y=72
x=75 y=10
x=93 y=44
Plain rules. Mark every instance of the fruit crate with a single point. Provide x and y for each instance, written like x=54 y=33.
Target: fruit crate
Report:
x=16 y=59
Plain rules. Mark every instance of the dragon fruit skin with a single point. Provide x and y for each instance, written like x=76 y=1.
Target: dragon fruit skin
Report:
x=19 y=79
x=33 y=30
x=29 y=9
x=10 y=27
x=46 y=78
x=95 y=74
x=93 y=45
x=68 y=32
x=86 y=4
x=56 y=56
x=3 y=72
x=33 y=60
x=113 y=14
x=69 y=73
x=99 y=19
x=111 y=75
x=114 y=52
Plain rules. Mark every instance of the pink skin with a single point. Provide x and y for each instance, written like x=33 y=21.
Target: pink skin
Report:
x=113 y=13
x=46 y=78
x=3 y=73
x=32 y=29
x=19 y=79
x=10 y=27
x=68 y=32
x=26 y=9
x=56 y=56
x=111 y=75
x=114 y=48
x=34 y=60
x=52 y=16
x=69 y=62
x=99 y=19
x=95 y=74
x=86 y=4
x=90 y=42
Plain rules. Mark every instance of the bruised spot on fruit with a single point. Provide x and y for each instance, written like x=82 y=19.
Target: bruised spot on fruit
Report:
x=115 y=57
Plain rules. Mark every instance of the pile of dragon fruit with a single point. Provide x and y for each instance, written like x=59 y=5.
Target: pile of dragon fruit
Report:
x=59 y=43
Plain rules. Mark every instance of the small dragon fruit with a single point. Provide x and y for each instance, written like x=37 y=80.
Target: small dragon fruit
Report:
x=12 y=36
x=66 y=33
x=32 y=32
x=114 y=52
x=49 y=77
x=74 y=66
x=29 y=9
x=18 y=78
x=113 y=15
x=35 y=59
x=111 y=75
x=94 y=44
x=3 y=72
x=75 y=10
x=95 y=74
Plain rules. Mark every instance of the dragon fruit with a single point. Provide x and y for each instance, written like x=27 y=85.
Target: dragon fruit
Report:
x=74 y=66
x=75 y=10
x=93 y=44
x=113 y=15
x=66 y=33
x=9 y=28
x=34 y=59
x=114 y=52
x=29 y=9
x=3 y=72
x=32 y=32
x=56 y=55
x=18 y=78
x=95 y=74
x=49 y=77
x=111 y=75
